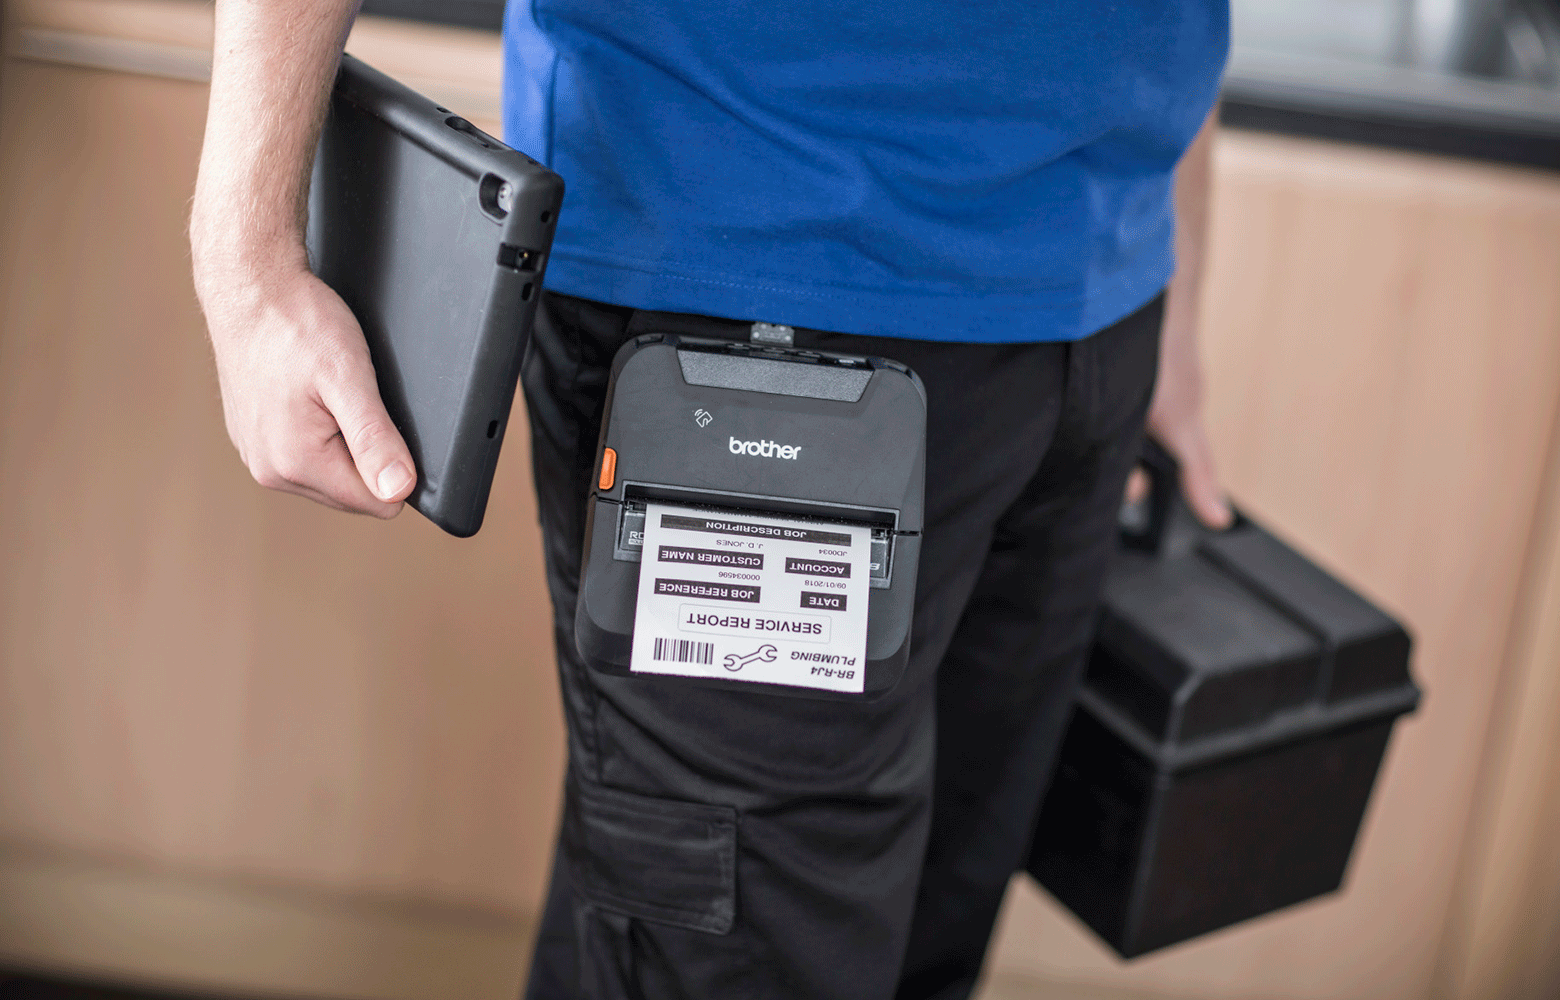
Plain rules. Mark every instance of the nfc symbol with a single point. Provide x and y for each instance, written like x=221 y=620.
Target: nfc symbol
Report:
x=702 y=417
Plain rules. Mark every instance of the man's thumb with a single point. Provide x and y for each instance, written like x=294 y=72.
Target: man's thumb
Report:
x=378 y=451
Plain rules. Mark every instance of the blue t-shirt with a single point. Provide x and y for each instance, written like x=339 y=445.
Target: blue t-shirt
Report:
x=991 y=170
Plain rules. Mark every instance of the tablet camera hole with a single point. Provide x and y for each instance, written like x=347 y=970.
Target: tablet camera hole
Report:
x=496 y=195
x=493 y=429
x=546 y=218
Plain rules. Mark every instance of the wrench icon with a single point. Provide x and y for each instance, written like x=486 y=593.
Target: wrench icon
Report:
x=765 y=653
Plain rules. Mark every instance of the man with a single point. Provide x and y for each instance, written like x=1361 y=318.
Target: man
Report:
x=983 y=191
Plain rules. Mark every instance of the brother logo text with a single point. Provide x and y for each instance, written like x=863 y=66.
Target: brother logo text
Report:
x=765 y=449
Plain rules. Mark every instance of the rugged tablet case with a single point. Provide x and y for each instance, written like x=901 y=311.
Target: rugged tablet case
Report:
x=436 y=235
x=1236 y=708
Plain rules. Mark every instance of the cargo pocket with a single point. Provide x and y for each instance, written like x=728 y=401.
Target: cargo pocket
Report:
x=654 y=859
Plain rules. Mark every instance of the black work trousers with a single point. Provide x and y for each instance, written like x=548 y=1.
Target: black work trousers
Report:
x=723 y=843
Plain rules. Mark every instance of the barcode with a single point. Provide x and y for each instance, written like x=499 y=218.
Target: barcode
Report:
x=684 y=651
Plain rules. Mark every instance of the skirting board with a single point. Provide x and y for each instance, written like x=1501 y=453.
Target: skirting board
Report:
x=118 y=922
x=121 y=923
x=1013 y=986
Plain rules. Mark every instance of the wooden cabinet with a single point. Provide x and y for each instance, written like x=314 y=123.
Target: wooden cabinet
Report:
x=200 y=679
x=316 y=725
x=1383 y=347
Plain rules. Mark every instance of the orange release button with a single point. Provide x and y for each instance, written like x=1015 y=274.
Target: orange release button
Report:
x=608 y=469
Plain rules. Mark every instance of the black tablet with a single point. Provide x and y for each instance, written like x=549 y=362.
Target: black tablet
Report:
x=436 y=235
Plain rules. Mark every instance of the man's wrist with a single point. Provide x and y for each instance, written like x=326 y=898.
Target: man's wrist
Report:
x=226 y=257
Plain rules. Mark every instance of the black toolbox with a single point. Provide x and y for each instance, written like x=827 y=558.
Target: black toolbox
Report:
x=1235 y=710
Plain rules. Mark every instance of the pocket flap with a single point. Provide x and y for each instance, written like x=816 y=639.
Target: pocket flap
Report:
x=656 y=859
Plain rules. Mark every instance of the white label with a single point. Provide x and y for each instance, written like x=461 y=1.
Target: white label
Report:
x=750 y=598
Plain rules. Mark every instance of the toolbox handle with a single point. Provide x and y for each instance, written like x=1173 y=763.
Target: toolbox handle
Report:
x=1161 y=523
x=1143 y=523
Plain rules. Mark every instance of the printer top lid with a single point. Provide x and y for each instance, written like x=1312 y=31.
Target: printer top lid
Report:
x=718 y=418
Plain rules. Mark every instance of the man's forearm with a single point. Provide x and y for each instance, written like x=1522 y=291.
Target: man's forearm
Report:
x=1193 y=179
x=1175 y=415
x=298 y=389
x=273 y=62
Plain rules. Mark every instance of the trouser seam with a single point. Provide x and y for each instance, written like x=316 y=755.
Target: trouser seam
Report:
x=581 y=467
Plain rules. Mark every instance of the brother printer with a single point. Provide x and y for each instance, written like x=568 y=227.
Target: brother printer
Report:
x=732 y=428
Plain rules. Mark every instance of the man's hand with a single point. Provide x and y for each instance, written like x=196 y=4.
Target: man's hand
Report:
x=299 y=394
x=1175 y=421
x=1175 y=415
x=298 y=388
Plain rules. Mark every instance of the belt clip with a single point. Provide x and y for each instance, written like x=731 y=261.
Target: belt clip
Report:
x=772 y=334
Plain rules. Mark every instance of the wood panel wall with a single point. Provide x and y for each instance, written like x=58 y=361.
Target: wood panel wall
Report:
x=203 y=680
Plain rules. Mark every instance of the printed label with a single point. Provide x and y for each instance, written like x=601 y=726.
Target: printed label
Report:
x=816 y=567
x=698 y=588
x=752 y=598
x=710 y=557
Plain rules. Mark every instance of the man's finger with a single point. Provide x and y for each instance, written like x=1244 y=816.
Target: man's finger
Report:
x=323 y=472
x=338 y=479
x=376 y=447
x=315 y=495
x=1137 y=485
x=1199 y=480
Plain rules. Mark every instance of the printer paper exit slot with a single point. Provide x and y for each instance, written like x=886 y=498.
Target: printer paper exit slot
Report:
x=631 y=533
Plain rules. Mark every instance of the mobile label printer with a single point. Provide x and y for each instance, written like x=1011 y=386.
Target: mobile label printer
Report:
x=756 y=518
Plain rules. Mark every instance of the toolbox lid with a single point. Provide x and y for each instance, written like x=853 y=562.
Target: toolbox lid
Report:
x=1369 y=649
x=1232 y=641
